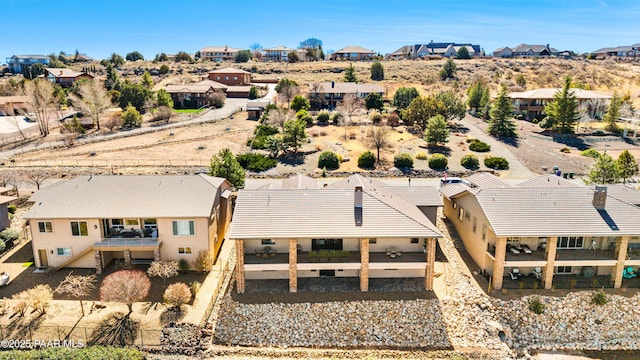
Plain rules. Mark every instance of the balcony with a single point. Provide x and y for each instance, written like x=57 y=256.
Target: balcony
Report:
x=121 y=244
x=305 y=257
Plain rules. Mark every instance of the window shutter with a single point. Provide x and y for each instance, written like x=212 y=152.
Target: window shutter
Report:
x=192 y=230
x=175 y=227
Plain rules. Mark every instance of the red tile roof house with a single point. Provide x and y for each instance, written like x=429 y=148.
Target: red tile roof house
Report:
x=193 y=96
x=64 y=77
x=353 y=53
x=332 y=93
x=356 y=227
x=231 y=76
x=218 y=53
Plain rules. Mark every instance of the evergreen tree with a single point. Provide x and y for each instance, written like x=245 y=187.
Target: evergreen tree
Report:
x=147 y=80
x=501 y=123
x=112 y=82
x=448 y=70
x=613 y=113
x=603 y=170
x=294 y=134
x=403 y=97
x=562 y=113
x=485 y=104
x=436 y=131
x=225 y=165
x=253 y=93
x=377 y=71
x=626 y=165
x=374 y=101
x=463 y=53
x=163 y=98
x=349 y=74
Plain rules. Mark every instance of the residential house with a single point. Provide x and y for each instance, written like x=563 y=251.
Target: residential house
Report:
x=353 y=53
x=404 y=52
x=17 y=63
x=255 y=108
x=65 y=77
x=218 y=53
x=503 y=52
x=13 y=105
x=531 y=103
x=89 y=221
x=231 y=76
x=193 y=96
x=332 y=93
x=278 y=53
x=545 y=227
x=621 y=52
x=526 y=50
x=352 y=228
x=444 y=49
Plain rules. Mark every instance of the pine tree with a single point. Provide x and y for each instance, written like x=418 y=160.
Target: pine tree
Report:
x=349 y=74
x=562 y=112
x=501 y=123
x=626 y=165
x=225 y=165
x=377 y=71
x=603 y=170
x=613 y=113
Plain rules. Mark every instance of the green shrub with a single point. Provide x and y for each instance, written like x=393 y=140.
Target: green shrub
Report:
x=184 y=265
x=470 y=161
x=565 y=150
x=9 y=235
x=195 y=287
x=308 y=119
x=592 y=153
x=479 y=146
x=402 y=161
x=322 y=118
x=12 y=209
x=261 y=134
x=496 y=163
x=366 y=160
x=329 y=160
x=86 y=353
x=422 y=156
x=599 y=297
x=336 y=117
x=438 y=162
x=256 y=162
x=536 y=305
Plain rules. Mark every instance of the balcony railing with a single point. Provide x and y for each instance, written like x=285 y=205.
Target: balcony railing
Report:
x=128 y=243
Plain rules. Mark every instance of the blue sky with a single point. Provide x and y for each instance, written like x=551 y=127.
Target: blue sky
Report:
x=100 y=27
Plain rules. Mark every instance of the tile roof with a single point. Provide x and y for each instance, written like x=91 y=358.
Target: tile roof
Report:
x=487 y=180
x=348 y=88
x=548 y=93
x=417 y=195
x=229 y=70
x=64 y=72
x=354 y=49
x=556 y=212
x=452 y=190
x=301 y=182
x=279 y=48
x=141 y=196
x=228 y=49
x=624 y=193
x=548 y=180
x=188 y=89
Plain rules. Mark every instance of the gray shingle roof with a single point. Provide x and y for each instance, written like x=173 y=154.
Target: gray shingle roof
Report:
x=417 y=195
x=354 y=49
x=452 y=190
x=488 y=180
x=624 y=193
x=548 y=180
x=87 y=197
x=556 y=212
x=325 y=213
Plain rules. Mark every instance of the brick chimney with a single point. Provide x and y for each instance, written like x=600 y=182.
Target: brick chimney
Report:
x=600 y=197
x=357 y=205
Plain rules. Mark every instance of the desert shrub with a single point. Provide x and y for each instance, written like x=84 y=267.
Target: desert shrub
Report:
x=565 y=150
x=393 y=119
x=163 y=69
x=58 y=353
x=366 y=160
x=592 y=153
x=307 y=119
x=2 y=246
x=217 y=99
x=375 y=116
x=422 y=155
x=599 y=297
x=12 y=209
x=261 y=136
x=117 y=287
x=163 y=269
x=9 y=236
x=336 y=118
x=184 y=265
x=195 y=287
x=256 y=162
x=470 y=161
x=131 y=117
x=323 y=118
x=479 y=146
x=536 y=305
x=177 y=295
x=300 y=113
x=438 y=162
x=163 y=113
x=203 y=261
x=38 y=297
x=496 y=163
x=402 y=161
x=329 y=160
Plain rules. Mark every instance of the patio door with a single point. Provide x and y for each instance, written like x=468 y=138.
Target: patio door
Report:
x=42 y=255
x=326 y=244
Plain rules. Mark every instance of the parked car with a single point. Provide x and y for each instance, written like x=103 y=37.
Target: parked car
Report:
x=454 y=180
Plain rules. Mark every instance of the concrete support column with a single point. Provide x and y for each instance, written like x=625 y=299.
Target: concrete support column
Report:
x=240 y=266
x=431 y=261
x=127 y=259
x=156 y=255
x=97 y=255
x=547 y=277
x=364 y=264
x=293 y=265
x=622 y=243
x=498 y=265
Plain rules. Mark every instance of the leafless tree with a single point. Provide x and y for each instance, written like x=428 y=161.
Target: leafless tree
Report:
x=9 y=178
x=38 y=297
x=315 y=91
x=378 y=137
x=41 y=102
x=113 y=121
x=203 y=261
x=288 y=92
x=11 y=111
x=349 y=105
x=163 y=269
x=36 y=176
x=92 y=100
x=125 y=286
x=177 y=294
x=77 y=286
x=277 y=117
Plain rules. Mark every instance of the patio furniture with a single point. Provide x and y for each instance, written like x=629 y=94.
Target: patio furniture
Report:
x=515 y=274
x=537 y=272
x=398 y=252
x=526 y=249
x=514 y=251
x=4 y=279
x=628 y=273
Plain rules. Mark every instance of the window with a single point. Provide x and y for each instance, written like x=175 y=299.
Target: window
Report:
x=79 y=228
x=117 y=224
x=563 y=270
x=184 y=250
x=570 y=242
x=150 y=223
x=45 y=226
x=268 y=242
x=484 y=231
x=414 y=240
x=131 y=222
x=467 y=216
x=184 y=227
x=373 y=241
x=63 y=251
x=475 y=224
x=461 y=213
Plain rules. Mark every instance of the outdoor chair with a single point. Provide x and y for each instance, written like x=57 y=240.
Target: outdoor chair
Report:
x=537 y=272
x=515 y=274
x=628 y=273
x=526 y=249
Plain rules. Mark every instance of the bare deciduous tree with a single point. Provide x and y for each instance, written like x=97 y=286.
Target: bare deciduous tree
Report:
x=125 y=286
x=203 y=261
x=9 y=178
x=277 y=117
x=36 y=176
x=92 y=100
x=163 y=269
x=38 y=297
x=315 y=91
x=77 y=286
x=349 y=105
x=288 y=92
x=378 y=137
x=177 y=294
x=113 y=121
x=41 y=102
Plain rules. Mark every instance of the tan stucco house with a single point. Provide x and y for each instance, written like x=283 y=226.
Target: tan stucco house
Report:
x=531 y=103
x=546 y=225
x=88 y=221
x=356 y=227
